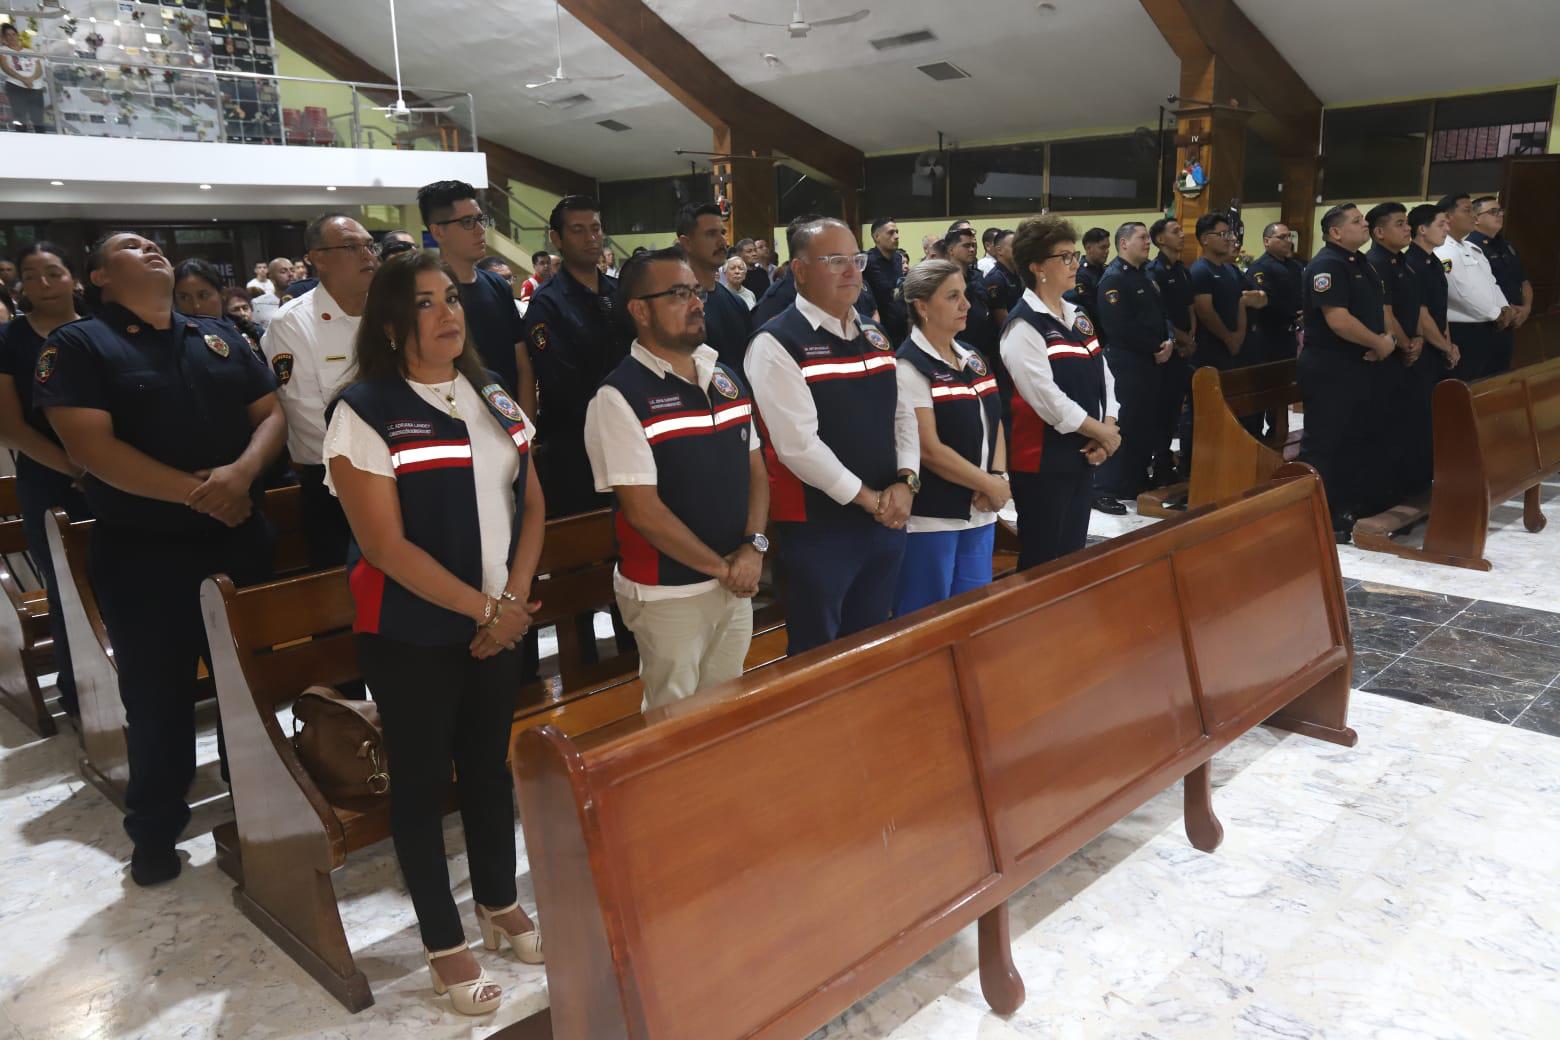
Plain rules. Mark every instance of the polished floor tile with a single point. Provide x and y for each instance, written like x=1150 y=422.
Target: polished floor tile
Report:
x=1387 y=633
x=1492 y=698
x=1517 y=659
x=1414 y=604
x=1543 y=715
x=1368 y=664
x=1501 y=619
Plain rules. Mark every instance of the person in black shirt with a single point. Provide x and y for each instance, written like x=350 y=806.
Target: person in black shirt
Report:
x=1086 y=294
x=576 y=337
x=1428 y=225
x=45 y=476
x=1139 y=342
x=1277 y=273
x=174 y=419
x=887 y=266
x=757 y=280
x=1221 y=299
x=1175 y=378
x=1397 y=383
x=1345 y=334
x=782 y=291
x=1489 y=220
x=197 y=290
x=455 y=220
x=702 y=235
x=1001 y=285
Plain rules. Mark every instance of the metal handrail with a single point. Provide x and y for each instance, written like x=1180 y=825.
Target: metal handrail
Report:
x=236 y=74
x=618 y=249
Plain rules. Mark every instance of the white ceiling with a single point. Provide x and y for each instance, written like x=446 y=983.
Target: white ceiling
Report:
x=1093 y=63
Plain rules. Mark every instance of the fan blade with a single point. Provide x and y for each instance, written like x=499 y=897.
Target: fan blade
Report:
x=751 y=21
x=843 y=19
x=594 y=79
x=549 y=81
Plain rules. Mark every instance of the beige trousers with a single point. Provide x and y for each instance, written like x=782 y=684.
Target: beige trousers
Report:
x=688 y=644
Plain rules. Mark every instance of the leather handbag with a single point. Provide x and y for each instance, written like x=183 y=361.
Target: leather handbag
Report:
x=342 y=747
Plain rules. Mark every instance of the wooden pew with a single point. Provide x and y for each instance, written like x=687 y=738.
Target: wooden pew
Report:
x=753 y=860
x=105 y=761
x=26 y=645
x=270 y=642
x=1495 y=438
x=1226 y=458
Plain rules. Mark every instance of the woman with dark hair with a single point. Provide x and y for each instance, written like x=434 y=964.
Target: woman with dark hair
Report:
x=430 y=458
x=45 y=476
x=1064 y=401
x=174 y=420
x=198 y=289
x=238 y=310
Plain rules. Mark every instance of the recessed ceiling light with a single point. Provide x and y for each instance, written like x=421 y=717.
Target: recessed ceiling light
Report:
x=213 y=220
x=205 y=187
x=330 y=187
x=58 y=184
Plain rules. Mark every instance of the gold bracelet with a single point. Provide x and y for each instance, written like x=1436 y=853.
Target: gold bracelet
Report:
x=498 y=612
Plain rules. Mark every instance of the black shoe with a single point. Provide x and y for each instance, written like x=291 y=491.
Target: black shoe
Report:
x=152 y=865
x=1106 y=504
x=1176 y=502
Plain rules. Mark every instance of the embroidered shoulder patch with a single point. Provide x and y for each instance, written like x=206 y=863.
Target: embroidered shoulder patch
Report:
x=1083 y=325
x=217 y=345
x=976 y=363
x=724 y=385
x=1321 y=281
x=1446 y=265
x=499 y=398
x=1112 y=296
x=45 y=367
x=1257 y=277
x=282 y=365
x=539 y=336
x=876 y=338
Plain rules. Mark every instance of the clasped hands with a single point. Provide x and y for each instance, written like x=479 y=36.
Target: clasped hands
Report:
x=743 y=566
x=511 y=622
x=1098 y=449
x=223 y=494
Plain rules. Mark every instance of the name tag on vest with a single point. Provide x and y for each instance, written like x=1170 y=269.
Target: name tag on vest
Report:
x=404 y=428
x=665 y=402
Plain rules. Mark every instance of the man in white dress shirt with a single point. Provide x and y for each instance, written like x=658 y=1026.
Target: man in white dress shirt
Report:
x=265 y=306
x=309 y=347
x=840 y=482
x=1475 y=307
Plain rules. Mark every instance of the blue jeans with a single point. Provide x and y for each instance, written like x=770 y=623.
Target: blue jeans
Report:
x=940 y=564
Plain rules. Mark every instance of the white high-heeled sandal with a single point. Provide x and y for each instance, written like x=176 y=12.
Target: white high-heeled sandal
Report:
x=527 y=945
x=465 y=996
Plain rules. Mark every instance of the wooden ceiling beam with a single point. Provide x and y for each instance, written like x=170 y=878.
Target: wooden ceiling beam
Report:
x=504 y=163
x=701 y=86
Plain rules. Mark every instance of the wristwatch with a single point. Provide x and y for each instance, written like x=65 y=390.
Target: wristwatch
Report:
x=760 y=542
x=910 y=479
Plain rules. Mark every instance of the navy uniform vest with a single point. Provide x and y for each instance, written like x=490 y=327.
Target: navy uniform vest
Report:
x=1078 y=368
x=959 y=396
x=855 y=392
x=431 y=454
x=699 y=438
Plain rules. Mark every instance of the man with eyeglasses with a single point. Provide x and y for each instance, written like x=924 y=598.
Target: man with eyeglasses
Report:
x=1277 y=273
x=1478 y=309
x=701 y=233
x=1489 y=220
x=887 y=266
x=309 y=347
x=1086 y=293
x=671 y=435
x=840 y=481
x=576 y=337
x=459 y=227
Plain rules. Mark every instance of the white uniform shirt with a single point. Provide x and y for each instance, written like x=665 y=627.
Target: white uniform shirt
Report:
x=985 y=264
x=309 y=347
x=1024 y=354
x=494 y=465
x=1472 y=294
x=791 y=415
x=263 y=284
x=264 y=308
x=621 y=455
x=915 y=391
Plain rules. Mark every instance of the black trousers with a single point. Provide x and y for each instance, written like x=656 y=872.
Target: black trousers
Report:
x=567 y=480
x=1476 y=342
x=1503 y=344
x=1175 y=380
x=148 y=590
x=440 y=707
x=1139 y=398
x=38 y=494
x=1342 y=430
x=27 y=108
x=1053 y=514
x=325 y=529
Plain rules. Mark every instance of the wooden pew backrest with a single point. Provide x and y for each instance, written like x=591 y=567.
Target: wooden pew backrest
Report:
x=801 y=834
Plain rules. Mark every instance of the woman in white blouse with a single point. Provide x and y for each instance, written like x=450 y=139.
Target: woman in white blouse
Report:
x=430 y=458
x=735 y=273
x=948 y=394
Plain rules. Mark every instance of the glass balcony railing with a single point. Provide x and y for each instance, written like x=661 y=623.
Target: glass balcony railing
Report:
x=89 y=98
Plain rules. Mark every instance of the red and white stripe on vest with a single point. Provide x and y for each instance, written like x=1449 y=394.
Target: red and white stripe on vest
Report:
x=960 y=396
x=1078 y=367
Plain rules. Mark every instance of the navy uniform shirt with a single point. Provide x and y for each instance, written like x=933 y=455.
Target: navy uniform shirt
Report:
x=495 y=325
x=179 y=395
x=575 y=338
x=1225 y=283
x=1132 y=316
x=1175 y=289
x=1085 y=293
x=782 y=293
x=1505 y=265
x=298 y=288
x=1430 y=273
x=1399 y=284
x=757 y=281
x=1003 y=289
x=885 y=276
x=980 y=328
x=1337 y=277
x=20 y=346
x=726 y=325
x=1275 y=324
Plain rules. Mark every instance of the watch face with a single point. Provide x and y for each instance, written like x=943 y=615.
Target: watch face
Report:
x=761 y=542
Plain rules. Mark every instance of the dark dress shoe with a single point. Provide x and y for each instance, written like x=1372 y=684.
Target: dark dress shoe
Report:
x=1176 y=502
x=1106 y=504
x=153 y=866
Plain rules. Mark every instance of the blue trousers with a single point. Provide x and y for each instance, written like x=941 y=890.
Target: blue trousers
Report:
x=839 y=579
x=940 y=564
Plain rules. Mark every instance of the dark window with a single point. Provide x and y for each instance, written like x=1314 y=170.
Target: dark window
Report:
x=797 y=194
x=1473 y=134
x=646 y=206
x=1010 y=179
x=1377 y=151
x=1263 y=173
x=900 y=188
x=1105 y=173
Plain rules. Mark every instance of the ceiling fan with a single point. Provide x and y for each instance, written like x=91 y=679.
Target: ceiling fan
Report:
x=559 y=76
x=401 y=110
x=798 y=26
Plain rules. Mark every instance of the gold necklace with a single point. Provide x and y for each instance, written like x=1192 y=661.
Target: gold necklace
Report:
x=448 y=393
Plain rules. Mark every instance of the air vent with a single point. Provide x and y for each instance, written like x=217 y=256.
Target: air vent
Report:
x=613 y=125
x=943 y=70
x=909 y=39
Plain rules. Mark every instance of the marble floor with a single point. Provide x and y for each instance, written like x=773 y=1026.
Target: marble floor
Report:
x=1406 y=888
